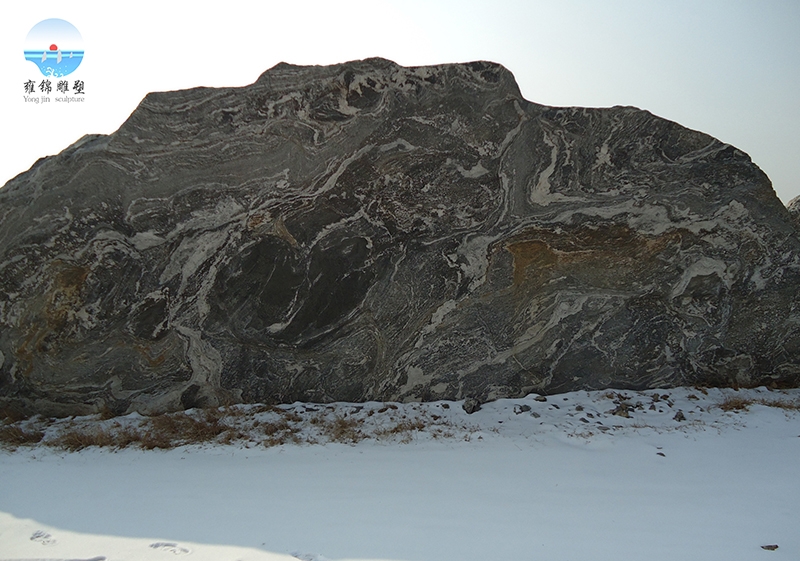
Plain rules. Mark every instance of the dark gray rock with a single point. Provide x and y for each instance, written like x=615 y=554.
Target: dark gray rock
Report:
x=794 y=210
x=372 y=232
x=471 y=405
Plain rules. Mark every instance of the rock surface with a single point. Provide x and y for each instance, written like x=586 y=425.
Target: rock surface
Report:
x=372 y=232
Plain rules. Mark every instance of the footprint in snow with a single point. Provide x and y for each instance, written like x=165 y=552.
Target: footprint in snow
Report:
x=308 y=556
x=171 y=547
x=43 y=538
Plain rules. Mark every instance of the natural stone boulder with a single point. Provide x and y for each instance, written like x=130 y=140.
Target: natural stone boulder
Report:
x=372 y=232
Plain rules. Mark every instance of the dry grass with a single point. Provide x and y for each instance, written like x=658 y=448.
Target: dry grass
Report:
x=178 y=429
x=405 y=429
x=404 y=426
x=740 y=403
x=77 y=439
x=735 y=403
x=157 y=432
x=13 y=436
x=278 y=432
x=261 y=425
x=183 y=429
x=124 y=437
x=781 y=404
x=407 y=425
x=344 y=430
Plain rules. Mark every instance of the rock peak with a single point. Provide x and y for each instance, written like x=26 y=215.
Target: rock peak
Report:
x=480 y=71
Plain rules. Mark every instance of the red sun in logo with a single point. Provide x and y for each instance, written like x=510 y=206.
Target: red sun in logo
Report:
x=53 y=47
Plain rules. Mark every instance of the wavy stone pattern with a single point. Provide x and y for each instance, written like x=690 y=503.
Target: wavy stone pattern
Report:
x=372 y=232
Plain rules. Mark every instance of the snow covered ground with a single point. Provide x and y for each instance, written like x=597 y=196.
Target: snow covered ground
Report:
x=658 y=475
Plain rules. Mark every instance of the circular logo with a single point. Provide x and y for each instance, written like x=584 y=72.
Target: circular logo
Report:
x=55 y=47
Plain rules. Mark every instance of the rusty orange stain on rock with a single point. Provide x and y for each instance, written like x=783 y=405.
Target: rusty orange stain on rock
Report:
x=530 y=253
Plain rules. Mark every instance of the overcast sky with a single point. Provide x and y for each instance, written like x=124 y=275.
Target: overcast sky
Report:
x=726 y=67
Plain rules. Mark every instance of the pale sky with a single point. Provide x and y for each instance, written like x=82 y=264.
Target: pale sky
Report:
x=726 y=67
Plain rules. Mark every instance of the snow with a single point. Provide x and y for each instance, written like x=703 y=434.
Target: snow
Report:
x=583 y=475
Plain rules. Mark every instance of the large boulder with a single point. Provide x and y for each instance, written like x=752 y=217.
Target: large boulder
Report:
x=366 y=231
